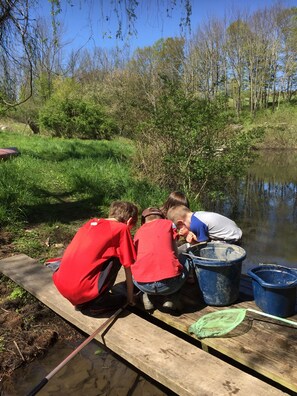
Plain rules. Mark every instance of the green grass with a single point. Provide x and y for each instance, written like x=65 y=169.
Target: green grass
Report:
x=55 y=185
x=280 y=126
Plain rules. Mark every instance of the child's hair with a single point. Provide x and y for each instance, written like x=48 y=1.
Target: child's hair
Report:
x=151 y=214
x=175 y=198
x=122 y=211
x=177 y=213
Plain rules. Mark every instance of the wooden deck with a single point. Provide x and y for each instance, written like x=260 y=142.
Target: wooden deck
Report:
x=160 y=346
x=260 y=345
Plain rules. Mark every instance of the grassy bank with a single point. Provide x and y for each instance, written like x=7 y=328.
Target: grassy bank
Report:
x=280 y=126
x=54 y=185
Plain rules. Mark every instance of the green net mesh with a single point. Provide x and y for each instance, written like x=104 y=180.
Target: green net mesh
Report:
x=217 y=324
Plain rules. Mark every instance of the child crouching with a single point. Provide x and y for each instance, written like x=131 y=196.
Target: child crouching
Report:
x=91 y=262
x=157 y=270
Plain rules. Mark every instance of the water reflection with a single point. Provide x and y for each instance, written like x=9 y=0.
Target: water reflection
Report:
x=265 y=207
x=92 y=372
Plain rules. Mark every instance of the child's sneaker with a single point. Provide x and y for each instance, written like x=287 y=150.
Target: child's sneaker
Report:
x=148 y=305
x=173 y=303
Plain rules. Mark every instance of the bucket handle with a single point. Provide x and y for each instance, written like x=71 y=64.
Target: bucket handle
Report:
x=190 y=258
x=203 y=258
x=192 y=262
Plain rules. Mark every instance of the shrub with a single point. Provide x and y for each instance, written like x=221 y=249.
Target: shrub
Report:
x=193 y=145
x=75 y=117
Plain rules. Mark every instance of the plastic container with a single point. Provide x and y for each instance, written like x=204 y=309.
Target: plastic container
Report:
x=218 y=269
x=275 y=289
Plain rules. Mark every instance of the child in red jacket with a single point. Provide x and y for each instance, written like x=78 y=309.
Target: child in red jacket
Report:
x=93 y=258
x=157 y=270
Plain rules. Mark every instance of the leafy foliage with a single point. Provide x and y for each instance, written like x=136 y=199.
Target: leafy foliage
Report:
x=17 y=292
x=68 y=114
x=192 y=145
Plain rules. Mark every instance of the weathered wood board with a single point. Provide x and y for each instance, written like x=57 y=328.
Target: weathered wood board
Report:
x=267 y=346
x=173 y=362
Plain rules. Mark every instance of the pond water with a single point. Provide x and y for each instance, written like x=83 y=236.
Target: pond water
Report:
x=92 y=372
x=266 y=210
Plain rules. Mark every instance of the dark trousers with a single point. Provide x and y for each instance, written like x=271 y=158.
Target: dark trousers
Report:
x=108 y=275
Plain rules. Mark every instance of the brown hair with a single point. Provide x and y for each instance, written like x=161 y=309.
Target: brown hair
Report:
x=122 y=211
x=151 y=214
x=175 y=198
x=177 y=213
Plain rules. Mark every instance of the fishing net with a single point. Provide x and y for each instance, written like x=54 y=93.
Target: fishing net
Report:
x=220 y=323
x=217 y=324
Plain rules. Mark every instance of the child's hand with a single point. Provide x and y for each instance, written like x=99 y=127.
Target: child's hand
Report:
x=191 y=237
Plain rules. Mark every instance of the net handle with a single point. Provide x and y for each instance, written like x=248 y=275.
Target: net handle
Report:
x=273 y=316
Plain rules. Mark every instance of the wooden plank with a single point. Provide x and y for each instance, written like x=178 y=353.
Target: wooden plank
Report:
x=268 y=348
x=173 y=362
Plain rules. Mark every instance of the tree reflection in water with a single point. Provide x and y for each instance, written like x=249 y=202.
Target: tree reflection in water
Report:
x=265 y=207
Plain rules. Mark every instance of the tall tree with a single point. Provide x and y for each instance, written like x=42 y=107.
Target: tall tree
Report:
x=235 y=51
x=17 y=46
x=287 y=22
x=158 y=64
x=206 y=62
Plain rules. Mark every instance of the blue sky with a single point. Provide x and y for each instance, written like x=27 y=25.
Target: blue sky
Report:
x=84 y=23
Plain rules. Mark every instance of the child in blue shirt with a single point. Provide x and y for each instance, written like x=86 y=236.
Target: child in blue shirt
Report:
x=204 y=226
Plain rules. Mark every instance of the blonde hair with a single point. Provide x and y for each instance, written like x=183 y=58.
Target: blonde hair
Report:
x=176 y=198
x=177 y=213
x=123 y=211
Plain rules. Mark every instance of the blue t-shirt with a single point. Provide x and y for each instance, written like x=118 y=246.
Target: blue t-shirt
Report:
x=199 y=228
x=214 y=226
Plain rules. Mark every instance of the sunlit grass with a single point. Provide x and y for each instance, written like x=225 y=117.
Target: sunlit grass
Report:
x=54 y=185
x=280 y=126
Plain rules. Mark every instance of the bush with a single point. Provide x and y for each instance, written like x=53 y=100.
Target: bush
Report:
x=75 y=117
x=193 y=145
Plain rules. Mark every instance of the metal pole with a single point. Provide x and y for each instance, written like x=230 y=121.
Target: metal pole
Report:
x=45 y=380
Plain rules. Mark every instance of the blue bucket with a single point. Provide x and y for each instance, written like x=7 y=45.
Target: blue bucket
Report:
x=218 y=269
x=274 y=288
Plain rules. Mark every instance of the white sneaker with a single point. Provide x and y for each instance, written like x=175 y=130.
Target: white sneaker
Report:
x=168 y=304
x=173 y=303
x=148 y=305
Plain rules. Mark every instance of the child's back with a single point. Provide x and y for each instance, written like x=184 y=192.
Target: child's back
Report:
x=156 y=255
x=96 y=241
x=157 y=270
x=93 y=258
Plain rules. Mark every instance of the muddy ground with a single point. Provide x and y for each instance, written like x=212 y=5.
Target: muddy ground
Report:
x=27 y=327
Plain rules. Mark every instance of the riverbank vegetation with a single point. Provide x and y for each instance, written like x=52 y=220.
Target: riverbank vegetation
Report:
x=279 y=127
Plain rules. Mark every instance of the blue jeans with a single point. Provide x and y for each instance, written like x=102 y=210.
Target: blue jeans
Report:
x=168 y=286
x=53 y=265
